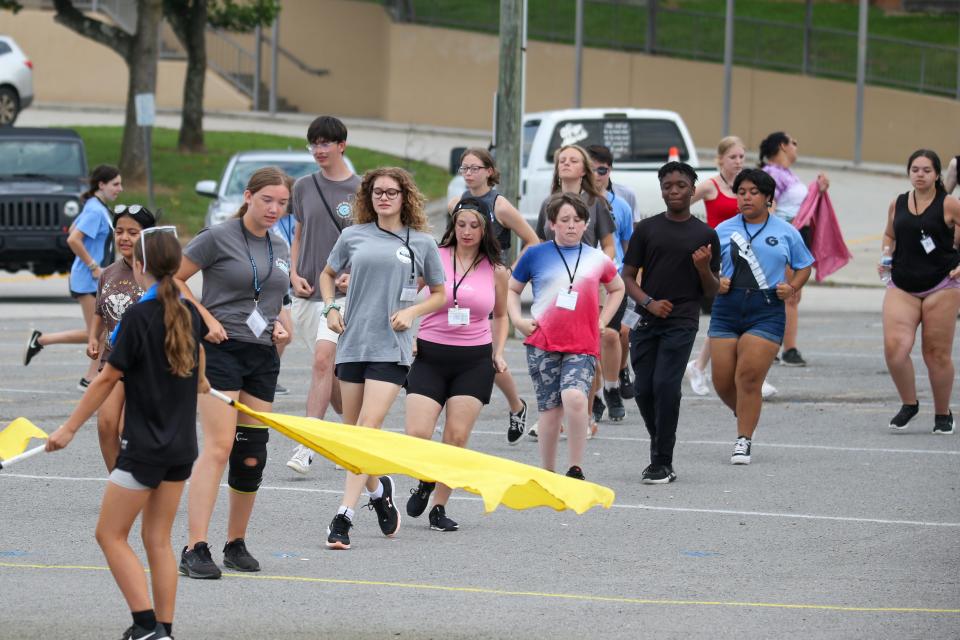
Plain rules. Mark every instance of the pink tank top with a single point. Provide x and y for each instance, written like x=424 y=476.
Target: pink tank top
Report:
x=475 y=292
x=721 y=208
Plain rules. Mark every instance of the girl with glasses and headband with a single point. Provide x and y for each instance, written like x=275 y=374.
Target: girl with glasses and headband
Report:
x=481 y=177
x=158 y=354
x=245 y=279
x=90 y=239
x=117 y=290
x=389 y=257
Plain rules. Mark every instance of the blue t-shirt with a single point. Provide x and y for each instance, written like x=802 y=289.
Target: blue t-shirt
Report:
x=284 y=228
x=755 y=256
x=95 y=225
x=623 y=223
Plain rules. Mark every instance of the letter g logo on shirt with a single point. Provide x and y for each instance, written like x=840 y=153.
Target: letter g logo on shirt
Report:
x=403 y=255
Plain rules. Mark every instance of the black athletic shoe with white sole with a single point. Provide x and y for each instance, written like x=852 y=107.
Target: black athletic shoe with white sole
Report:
x=906 y=414
x=419 y=498
x=658 y=474
x=136 y=632
x=576 y=473
x=626 y=385
x=387 y=514
x=741 y=451
x=33 y=347
x=236 y=556
x=943 y=425
x=615 y=409
x=198 y=562
x=598 y=408
x=338 y=533
x=518 y=422
x=439 y=520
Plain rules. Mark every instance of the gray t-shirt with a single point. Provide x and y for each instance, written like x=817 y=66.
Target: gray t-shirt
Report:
x=220 y=251
x=599 y=226
x=380 y=267
x=319 y=229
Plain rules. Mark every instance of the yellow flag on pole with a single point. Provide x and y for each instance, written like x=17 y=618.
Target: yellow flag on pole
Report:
x=15 y=438
x=496 y=480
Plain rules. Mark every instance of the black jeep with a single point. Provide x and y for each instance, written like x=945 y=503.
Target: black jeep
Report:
x=42 y=174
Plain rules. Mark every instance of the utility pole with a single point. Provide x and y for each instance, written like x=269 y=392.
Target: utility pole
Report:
x=727 y=67
x=509 y=95
x=861 y=80
x=578 y=56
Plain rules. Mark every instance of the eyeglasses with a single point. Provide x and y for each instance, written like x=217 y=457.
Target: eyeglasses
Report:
x=313 y=147
x=602 y=171
x=794 y=142
x=465 y=170
x=143 y=235
x=391 y=194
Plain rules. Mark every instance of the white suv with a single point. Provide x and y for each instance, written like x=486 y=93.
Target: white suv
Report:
x=16 y=81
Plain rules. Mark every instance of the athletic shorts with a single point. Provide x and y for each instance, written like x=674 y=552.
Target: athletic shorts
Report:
x=309 y=323
x=617 y=318
x=139 y=476
x=360 y=372
x=946 y=283
x=442 y=371
x=553 y=372
x=243 y=366
x=758 y=312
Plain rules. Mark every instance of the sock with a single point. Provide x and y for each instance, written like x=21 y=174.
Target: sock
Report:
x=610 y=385
x=347 y=511
x=376 y=493
x=145 y=619
x=169 y=627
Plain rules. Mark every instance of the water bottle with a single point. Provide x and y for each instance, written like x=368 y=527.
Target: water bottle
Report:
x=886 y=264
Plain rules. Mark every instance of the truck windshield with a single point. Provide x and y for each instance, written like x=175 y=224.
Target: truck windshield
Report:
x=60 y=158
x=630 y=140
x=243 y=170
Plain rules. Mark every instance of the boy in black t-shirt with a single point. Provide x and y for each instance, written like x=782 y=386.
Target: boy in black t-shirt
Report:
x=680 y=259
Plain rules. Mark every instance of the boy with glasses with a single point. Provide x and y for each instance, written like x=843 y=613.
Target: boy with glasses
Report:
x=321 y=205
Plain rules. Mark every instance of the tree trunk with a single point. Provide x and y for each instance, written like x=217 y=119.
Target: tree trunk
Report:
x=142 y=66
x=191 y=31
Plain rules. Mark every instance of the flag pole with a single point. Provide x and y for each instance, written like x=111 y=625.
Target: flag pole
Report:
x=23 y=456
x=219 y=395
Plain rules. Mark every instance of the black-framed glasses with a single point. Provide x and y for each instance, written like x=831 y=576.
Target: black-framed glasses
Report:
x=466 y=170
x=391 y=194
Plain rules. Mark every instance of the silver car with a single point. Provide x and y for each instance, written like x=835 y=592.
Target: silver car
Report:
x=228 y=194
x=16 y=81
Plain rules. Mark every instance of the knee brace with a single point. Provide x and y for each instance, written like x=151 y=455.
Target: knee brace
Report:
x=249 y=445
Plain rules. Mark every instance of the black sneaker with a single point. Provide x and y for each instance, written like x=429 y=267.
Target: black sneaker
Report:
x=575 y=472
x=615 y=410
x=82 y=385
x=338 y=533
x=518 y=423
x=658 y=474
x=741 y=451
x=419 y=498
x=439 y=520
x=198 y=563
x=598 y=408
x=626 y=385
x=281 y=390
x=387 y=513
x=236 y=556
x=792 y=358
x=905 y=415
x=33 y=347
x=136 y=632
x=943 y=425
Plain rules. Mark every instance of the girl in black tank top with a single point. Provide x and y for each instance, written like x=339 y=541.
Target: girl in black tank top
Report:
x=914 y=268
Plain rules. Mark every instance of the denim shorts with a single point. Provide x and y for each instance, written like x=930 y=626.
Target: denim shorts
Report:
x=553 y=372
x=758 y=312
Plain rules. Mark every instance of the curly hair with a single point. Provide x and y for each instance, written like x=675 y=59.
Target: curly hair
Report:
x=411 y=211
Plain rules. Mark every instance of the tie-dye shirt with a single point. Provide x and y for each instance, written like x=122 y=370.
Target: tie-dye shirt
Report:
x=558 y=329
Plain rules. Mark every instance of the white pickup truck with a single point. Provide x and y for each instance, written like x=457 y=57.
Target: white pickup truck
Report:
x=640 y=140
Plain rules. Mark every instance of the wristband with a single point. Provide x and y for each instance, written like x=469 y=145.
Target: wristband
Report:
x=329 y=306
x=646 y=302
x=92 y=265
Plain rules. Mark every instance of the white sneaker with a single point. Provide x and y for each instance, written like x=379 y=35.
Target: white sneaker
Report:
x=532 y=431
x=698 y=379
x=767 y=390
x=301 y=459
x=741 y=451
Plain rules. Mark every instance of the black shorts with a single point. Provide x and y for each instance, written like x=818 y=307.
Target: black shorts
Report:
x=243 y=366
x=442 y=371
x=360 y=372
x=77 y=296
x=152 y=475
x=617 y=318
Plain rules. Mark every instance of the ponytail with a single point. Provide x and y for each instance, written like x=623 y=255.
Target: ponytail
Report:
x=179 y=344
x=101 y=173
x=770 y=146
x=264 y=177
x=241 y=211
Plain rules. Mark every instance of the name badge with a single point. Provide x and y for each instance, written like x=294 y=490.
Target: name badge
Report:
x=458 y=317
x=927 y=243
x=408 y=293
x=567 y=300
x=256 y=322
x=630 y=318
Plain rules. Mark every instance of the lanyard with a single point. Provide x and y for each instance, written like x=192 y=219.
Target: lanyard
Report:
x=456 y=285
x=287 y=229
x=149 y=294
x=406 y=243
x=750 y=238
x=566 y=266
x=257 y=286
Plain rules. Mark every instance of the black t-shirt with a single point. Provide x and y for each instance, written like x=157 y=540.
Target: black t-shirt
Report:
x=160 y=421
x=663 y=249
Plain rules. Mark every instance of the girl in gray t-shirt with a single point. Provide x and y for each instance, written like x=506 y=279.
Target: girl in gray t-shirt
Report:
x=389 y=256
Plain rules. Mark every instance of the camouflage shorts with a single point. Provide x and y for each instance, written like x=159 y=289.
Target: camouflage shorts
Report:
x=553 y=372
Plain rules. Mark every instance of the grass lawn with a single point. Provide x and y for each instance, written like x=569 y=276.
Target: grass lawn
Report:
x=175 y=174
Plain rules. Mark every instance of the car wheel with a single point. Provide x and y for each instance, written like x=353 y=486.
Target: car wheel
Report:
x=9 y=106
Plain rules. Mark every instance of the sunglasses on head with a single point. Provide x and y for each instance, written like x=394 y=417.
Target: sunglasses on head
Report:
x=145 y=232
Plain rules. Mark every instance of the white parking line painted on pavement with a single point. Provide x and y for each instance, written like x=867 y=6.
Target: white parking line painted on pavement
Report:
x=643 y=507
